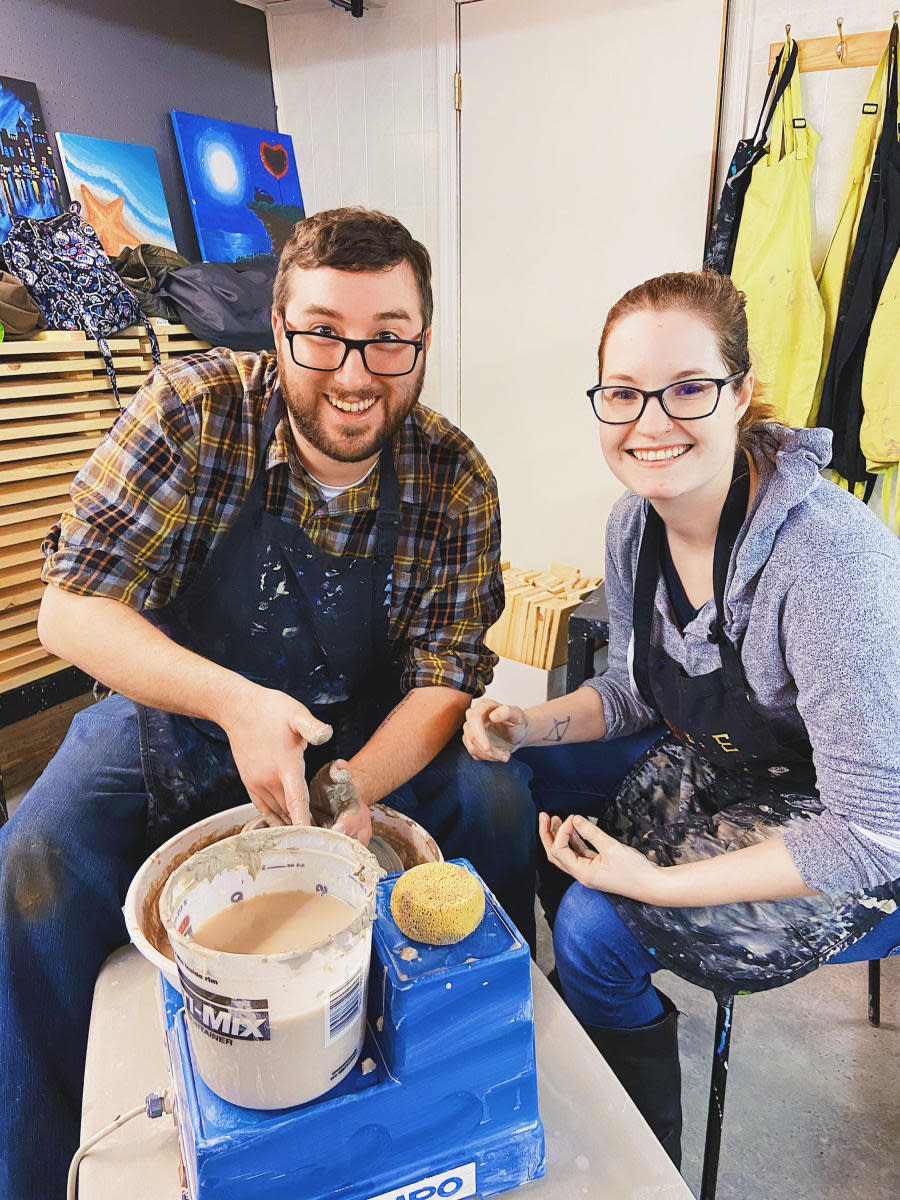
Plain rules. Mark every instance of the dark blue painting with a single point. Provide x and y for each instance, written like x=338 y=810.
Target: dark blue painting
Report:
x=242 y=183
x=29 y=185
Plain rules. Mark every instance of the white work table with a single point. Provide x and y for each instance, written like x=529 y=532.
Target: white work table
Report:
x=598 y=1145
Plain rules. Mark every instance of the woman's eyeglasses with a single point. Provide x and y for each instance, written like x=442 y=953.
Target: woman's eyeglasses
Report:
x=687 y=400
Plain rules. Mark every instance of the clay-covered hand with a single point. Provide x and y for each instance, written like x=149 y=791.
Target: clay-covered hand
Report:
x=493 y=731
x=598 y=861
x=268 y=732
x=335 y=803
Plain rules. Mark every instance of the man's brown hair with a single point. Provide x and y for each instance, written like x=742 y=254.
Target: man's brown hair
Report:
x=354 y=239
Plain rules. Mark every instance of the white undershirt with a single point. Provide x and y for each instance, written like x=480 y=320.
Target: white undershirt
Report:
x=329 y=492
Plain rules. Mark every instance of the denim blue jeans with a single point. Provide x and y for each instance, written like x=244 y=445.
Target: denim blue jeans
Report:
x=580 y=779
x=604 y=970
x=67 y=857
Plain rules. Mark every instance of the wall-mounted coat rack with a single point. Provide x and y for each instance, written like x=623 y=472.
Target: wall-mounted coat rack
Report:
x=830 y=53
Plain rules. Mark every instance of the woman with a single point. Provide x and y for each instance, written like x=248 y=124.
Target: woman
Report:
x=755 y=611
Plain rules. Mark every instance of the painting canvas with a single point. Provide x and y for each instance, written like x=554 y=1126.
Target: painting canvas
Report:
x=242 y=183
x=29 y=185
x=120 y=191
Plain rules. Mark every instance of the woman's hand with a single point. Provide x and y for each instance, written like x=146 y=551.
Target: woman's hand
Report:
x=598 y=861
x=493 y=731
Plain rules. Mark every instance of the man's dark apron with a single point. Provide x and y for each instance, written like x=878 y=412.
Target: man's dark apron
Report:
x=274 y=607
x=724 y=777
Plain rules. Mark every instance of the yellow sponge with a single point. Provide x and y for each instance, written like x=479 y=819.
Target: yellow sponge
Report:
x=438 y=903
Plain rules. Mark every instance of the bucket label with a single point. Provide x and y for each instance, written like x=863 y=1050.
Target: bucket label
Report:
x=344 y=1006
x=458 y=1183
x=224 y=1018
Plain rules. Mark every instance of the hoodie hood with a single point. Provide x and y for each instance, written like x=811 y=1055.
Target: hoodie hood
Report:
x=788 y=462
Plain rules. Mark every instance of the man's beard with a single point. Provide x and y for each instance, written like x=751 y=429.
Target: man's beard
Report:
x=353 y=445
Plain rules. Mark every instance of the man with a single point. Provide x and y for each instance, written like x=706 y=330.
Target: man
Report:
x=276 y=563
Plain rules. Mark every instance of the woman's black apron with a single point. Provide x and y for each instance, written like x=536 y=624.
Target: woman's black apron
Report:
x=274 y=607
x=723 y=778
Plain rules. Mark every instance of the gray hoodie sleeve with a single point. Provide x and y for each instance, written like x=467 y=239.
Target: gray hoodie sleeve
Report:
x=624 y=713
x=841 y=631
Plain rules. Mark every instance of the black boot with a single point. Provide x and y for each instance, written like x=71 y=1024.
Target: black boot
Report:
x=645 y=1062
x=552 y=885
x=554 y=981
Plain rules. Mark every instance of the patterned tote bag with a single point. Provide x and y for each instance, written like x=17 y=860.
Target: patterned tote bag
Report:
x=61 y=262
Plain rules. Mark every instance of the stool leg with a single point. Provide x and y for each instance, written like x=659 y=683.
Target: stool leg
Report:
x=875 y=991
x=715 y=1114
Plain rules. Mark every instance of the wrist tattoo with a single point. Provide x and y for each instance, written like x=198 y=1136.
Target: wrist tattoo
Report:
x=558 y=730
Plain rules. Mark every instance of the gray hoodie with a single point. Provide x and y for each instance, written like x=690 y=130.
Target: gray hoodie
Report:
x=813 y=590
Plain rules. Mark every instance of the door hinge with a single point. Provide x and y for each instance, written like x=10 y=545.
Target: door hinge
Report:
x=457 y=92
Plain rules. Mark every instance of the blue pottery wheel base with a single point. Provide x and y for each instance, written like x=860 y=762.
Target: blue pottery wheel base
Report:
x=446 y=1107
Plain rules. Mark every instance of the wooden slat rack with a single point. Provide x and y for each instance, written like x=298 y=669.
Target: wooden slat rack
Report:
x=55 y=405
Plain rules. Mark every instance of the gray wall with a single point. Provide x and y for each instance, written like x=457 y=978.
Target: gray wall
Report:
x=114 y=68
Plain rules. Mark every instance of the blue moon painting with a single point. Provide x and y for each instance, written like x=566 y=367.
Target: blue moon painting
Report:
x=242 y=183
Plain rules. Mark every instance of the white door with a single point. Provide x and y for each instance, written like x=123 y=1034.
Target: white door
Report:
x=587 y=137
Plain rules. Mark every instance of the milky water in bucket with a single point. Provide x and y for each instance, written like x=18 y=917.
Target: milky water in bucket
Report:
x=141 y=907
x=273 y=1030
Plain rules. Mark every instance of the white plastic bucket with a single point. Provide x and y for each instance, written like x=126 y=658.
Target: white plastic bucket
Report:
x=273 y=1031
x=141 y=907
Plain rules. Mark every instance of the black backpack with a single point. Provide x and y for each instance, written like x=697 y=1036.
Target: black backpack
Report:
x=226 y=304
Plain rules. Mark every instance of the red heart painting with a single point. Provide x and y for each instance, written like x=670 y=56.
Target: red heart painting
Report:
x=274 y=159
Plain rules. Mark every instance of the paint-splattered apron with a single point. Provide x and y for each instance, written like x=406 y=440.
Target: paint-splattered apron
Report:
x=274 y=607
x=723 y=778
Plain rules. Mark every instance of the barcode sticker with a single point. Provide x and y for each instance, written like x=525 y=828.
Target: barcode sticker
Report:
x=344 y=1006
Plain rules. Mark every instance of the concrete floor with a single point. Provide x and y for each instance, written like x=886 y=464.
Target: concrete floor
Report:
x=812 y=1110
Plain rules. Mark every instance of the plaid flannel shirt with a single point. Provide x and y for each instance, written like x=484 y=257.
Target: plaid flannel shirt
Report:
x=168 y=479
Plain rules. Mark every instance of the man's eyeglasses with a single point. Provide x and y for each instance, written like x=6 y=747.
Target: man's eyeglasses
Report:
x=687 y=400
x=328 y=352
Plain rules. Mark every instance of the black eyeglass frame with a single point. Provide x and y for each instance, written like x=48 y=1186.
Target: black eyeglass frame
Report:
x=658 y=394
x=356 y=344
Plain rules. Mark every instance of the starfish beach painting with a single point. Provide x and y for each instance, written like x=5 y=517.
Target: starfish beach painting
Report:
x=29 y=185
x=242 y=183
x=120 y=191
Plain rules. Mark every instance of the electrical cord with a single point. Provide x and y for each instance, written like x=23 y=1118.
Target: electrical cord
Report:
x=154 y=1105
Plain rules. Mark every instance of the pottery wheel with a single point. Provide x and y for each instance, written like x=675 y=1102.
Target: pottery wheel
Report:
x=388 y=859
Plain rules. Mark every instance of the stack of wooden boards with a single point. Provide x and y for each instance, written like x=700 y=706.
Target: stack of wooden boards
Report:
x=535 y=622
x=55 y=405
